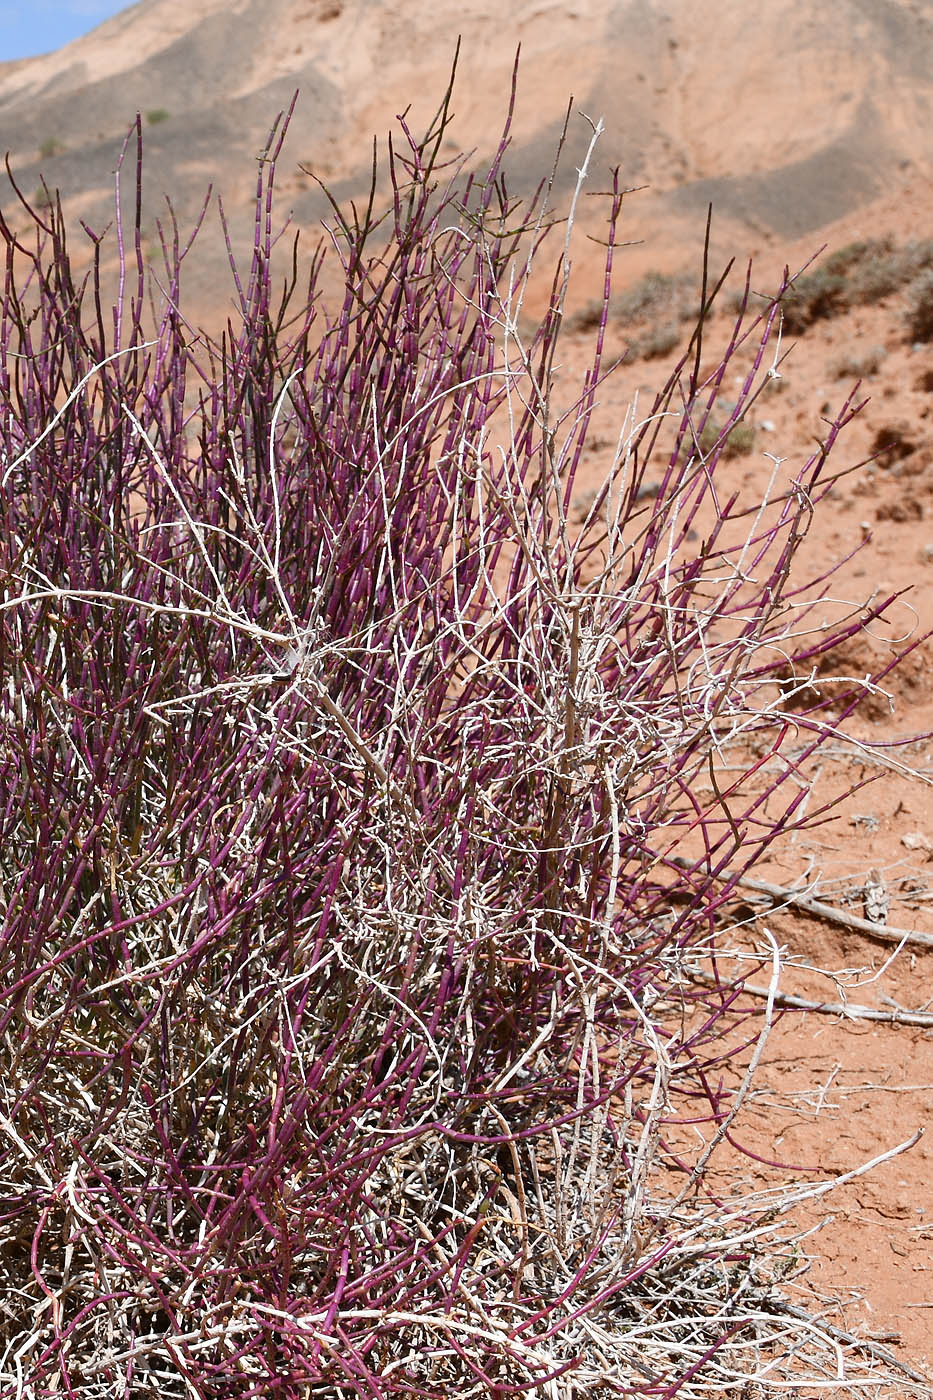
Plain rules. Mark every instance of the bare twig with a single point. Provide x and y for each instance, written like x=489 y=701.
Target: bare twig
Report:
x=801 y=899
x=884 y=933
x=851 y=1339
x=851 y=1010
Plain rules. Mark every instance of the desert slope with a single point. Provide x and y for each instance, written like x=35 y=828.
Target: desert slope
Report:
x=788 y=116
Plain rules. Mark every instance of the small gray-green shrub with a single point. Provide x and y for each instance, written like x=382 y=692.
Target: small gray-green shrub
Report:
x=739 y=442
x=661 y=340
x=920 y=307
x=859 y=363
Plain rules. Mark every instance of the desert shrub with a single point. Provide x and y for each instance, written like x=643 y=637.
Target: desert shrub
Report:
x=902 y=512
x=920 y=307
x=920 y=252
x=853 y=256
x=885 y=267
x=586 y=317
x=733 y=300
x=815 y=297
x=878 y=277
x=656 y=295
x=857 y=274
x=739 y=439
x=659 y=298
x=157 y=115
x=50 y=147
x=894 y=441
x=872 y=268
x=660 y=340
x=859 y=363
x=356 y=843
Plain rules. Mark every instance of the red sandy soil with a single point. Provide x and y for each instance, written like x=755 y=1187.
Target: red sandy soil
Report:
x=834 y=1092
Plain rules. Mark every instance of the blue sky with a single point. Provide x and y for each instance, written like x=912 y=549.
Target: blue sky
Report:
x=29 y=27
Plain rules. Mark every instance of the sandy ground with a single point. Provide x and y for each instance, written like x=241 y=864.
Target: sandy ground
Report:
x=835 y=1091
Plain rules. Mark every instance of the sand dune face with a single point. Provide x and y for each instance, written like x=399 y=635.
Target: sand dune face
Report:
x=787 y=117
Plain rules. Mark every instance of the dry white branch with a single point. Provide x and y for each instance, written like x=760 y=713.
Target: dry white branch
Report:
x=848 y=1009
x=781 y=895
